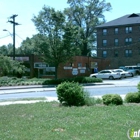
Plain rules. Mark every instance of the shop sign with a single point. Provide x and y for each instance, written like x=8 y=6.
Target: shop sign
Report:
x=67 y=68
x=40 y=65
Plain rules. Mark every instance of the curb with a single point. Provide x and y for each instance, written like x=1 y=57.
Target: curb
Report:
x=27 y=87
x=48 y=86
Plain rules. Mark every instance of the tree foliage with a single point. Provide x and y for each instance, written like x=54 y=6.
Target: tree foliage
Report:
x=9 y=66
x=86 y=15
x=27 y=47
x=30 y=45
x=6 y=50
x=57 y=36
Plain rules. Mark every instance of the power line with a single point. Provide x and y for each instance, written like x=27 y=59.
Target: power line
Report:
x=5 y=36
x=19 y=37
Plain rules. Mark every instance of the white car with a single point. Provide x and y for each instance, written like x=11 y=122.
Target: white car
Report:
x=123 y=73
x=107 y=74
x=132 y=69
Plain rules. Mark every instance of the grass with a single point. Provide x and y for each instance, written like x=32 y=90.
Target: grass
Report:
x=50 y=121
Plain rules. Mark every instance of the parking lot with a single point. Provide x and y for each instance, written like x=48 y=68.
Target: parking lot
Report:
x=129 y=81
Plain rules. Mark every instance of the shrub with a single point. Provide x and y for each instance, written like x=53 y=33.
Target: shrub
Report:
x=88 y=80
x=117 y=100
x=78 y=79
x=113 y=99
x=98 y=101
x=89 y=101
x=132 y=97
x=71 y=94
x=107 y=99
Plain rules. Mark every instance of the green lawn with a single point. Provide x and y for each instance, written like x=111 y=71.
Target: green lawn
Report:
x=49 y=121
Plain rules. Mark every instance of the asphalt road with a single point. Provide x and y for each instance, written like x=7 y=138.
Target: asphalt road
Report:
x=92 y=91
x=121 y=87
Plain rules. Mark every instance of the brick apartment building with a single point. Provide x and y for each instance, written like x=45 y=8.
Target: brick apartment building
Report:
x=119 y=41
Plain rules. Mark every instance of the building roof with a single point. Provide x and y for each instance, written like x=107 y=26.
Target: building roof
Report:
x=124 y=20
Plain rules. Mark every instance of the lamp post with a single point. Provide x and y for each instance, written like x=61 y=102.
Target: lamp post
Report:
x=7 y=31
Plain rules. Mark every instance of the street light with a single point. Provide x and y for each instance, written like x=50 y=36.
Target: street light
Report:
x=7 y=31
x=13 y=42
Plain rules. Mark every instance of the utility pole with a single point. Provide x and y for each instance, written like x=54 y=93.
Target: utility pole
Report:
x=14 y=23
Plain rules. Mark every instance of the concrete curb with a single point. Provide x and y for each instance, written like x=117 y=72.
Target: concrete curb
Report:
x=48 y=86
x=27 y=87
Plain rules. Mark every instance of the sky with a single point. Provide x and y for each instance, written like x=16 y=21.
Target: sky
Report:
x=25 y=9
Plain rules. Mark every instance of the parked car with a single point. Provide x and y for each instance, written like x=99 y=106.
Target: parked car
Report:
x=107 y=74
x=138 y=70
x=132 y=69
x=123 y=73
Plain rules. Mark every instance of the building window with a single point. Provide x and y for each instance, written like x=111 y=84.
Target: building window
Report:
x=128 y=53
x=104 y=31
x=116 y=53
x=104 y=54
x=104 y=43
x=116 y=30
x=128 y=30
x=71 y=64
x=79 y=64
x=128 y=41
x=116 y=42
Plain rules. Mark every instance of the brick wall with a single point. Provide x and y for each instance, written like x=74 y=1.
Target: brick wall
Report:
x=85 y=63
x=121 y=60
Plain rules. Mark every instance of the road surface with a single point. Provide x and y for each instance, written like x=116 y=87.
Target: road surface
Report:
x=121 y=87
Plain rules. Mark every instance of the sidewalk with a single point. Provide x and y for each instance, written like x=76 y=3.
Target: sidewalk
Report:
x=48 y=99
x=26 y=87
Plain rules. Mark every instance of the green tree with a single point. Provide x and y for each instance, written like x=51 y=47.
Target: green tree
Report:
x=9 y=66
x=6 y=50
x=86 y=15
x=10 y=49
x=3 y=50
x=57 y=35
x=29 y=45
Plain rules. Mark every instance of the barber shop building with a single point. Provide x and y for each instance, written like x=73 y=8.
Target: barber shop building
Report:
x=80 y=66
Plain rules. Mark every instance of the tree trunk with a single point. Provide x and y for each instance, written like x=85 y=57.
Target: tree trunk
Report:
x=85 y=50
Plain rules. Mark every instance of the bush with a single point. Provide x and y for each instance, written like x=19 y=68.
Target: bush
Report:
x=90 y=80
x=132 y=97
x=78 y=79
x=113 y=99
x=98 y=101
x=71 y=94
x=89 y=101
x=117 y=100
